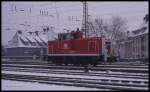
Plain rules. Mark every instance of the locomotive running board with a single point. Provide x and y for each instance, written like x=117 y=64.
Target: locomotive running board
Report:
x=73 y=54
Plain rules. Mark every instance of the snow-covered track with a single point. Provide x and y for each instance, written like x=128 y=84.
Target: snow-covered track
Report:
x=103 y=65
x=110 y=84
x=70 y=72
x=116 y=69
x=107 y=76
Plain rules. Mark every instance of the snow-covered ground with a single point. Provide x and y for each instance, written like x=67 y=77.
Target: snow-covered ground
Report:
x=18 y=85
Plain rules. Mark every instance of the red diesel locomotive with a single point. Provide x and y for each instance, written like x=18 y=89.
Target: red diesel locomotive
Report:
x=72 y=48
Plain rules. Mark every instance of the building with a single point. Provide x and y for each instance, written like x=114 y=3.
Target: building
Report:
x=28 y=44
x=135 y=46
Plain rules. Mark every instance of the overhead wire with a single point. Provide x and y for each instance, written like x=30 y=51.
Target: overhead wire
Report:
x=73 y=10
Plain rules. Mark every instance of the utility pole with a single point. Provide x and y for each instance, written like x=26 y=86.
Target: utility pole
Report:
x=85 y=19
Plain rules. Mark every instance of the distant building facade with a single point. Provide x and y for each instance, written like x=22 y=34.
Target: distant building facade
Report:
x=135 y=46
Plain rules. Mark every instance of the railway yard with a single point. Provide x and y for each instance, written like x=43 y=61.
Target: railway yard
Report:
x=115 y=76
x=82 y=45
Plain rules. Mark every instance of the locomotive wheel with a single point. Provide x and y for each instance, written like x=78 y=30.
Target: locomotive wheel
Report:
x=94 y=65
x=75 y=64
x=81 y=65
x=58 y=64
x=48 y=62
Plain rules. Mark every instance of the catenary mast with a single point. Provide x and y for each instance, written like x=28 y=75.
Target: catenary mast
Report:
x=85 y=19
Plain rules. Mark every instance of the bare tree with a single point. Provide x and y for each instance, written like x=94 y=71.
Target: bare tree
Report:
x=116 y=28
x=99 y=22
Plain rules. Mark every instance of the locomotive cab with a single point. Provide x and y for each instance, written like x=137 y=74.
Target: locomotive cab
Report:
x=70 y=36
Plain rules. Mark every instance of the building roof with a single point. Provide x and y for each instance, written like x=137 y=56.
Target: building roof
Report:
x=21 y=36
x=43 y=37
x=30 y=38
x=140 y=31
x=24 y=39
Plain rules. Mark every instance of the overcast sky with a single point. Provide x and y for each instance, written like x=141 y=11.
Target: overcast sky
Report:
x=66 y=15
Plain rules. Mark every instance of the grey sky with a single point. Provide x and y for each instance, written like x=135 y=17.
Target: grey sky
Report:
x=60 y=17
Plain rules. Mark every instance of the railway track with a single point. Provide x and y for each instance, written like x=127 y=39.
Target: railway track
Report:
x=114 y=64
x=103 y=65
x=107 y=77
x=107 y=68
x=91 y=73
x=109 y=84
x=45 y=62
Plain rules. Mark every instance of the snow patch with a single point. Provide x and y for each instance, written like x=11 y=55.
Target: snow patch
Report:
x=18 y=85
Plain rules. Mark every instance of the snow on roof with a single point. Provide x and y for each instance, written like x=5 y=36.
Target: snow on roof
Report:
x=31 y=38
x=28 y=39
x=27 y=45
x=21 y=44
x=141 y=31
x=22 y=37
x=43 y=37
x=19 y=40
x=37 y=38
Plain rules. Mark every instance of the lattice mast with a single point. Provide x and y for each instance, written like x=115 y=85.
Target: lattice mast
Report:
x=85 y=19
